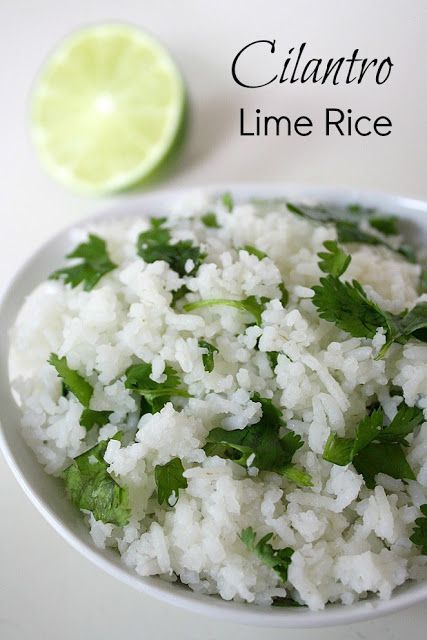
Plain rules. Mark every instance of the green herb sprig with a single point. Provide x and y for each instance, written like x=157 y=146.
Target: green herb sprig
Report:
x=169 y=480
x=155 y=244
x=261 y=444
x=277 y=559
x=376 y=448
x=94 y=264
x=154 y=394
x=89 y=486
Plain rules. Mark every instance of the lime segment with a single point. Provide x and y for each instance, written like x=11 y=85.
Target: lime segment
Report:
x=107 y=108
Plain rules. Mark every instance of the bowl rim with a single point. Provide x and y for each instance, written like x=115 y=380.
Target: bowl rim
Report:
x=242 y=613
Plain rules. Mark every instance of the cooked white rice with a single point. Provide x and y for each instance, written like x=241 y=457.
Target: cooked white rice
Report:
x=348 y=541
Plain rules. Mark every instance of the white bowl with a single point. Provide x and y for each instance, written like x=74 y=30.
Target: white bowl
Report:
x=47 y=493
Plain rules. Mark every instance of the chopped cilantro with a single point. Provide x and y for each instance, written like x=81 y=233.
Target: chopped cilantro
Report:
x=155 y=237
x=279 y=601
x=277 y=559
x=347 y=221
x=331 y=212
x=250 y=305
x=413 y=323
x=254 y=251
x=155 y=394
x=341 y=451
x=387 y=225
x=155 y=244
x=179 y=294
x=169 y=480
x=347 y=305
x=375 y=448
x=334 y=260
x=95 y=263
x=383 y=458
x=210 y=221
x=273 y=357
x=260 y=443
x=208 y=357
x=350 y=232
x=419 y=536
x=227 y=201
x=407 y=252
x=72 y=380
x=357 y=208
x=90 y=418
x=349 y=308
x=404 y=422
x=90 y=486
x=285 y=294
x=157 y=223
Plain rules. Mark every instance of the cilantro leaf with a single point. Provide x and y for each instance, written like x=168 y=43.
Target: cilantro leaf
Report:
x=407 y=252
x=95 y=263
x=404 y=422
x=210 y=220
x=338 y=450
x=285 y=294
x=72 y=380
x=347 y=221
x=341 y=451
x=155 y=244
x=208 y=358
x=250 y=305
x=227 y=201
x=153 y=239
x=295 y=474
x=347 y=305
x=89 y=486
x=277 y=559
x=90 y=418
x=387 y=225
x=261 y=440
x=414 y=322
x=254 y=251
x=419 y=536
x=273 y=358
x=155 y=394
x=382 y=458
x=374 y=448
x=350 y=232
x=179 y=294
x=279 y=601
x=334 y=260
x=169 y=480
x=331 y=212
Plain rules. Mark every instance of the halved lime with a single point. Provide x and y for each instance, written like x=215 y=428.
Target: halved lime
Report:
x=107 y=108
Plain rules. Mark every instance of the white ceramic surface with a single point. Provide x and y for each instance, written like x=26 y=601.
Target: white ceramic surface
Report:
x=47 y=492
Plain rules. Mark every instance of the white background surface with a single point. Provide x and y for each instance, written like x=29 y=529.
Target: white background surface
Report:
x=47 y=591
